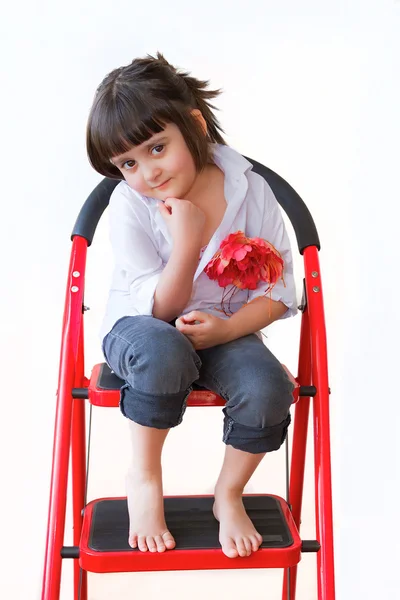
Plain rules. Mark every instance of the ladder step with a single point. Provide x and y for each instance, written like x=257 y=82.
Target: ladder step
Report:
x=104 y=543
x=104 y=390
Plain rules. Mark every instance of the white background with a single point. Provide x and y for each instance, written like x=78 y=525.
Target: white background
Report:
x=311 y=89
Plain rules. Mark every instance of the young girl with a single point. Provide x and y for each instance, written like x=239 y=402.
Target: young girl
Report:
x=183 y=191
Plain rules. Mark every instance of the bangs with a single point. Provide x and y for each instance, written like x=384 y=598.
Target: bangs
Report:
x=117 y=124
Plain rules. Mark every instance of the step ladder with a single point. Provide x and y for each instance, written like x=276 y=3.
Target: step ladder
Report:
x=100 y=527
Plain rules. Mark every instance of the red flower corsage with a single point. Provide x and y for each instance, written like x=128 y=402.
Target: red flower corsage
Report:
x=243 y=262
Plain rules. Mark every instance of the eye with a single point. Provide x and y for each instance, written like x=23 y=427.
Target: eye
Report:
x=157 y=149
x=130 y=163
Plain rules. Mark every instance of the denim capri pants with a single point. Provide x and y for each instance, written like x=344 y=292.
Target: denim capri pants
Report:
x=160 y=365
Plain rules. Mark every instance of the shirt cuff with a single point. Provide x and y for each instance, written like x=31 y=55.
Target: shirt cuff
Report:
x=142 y=294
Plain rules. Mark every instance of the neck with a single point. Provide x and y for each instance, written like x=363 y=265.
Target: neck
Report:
x=201 y=186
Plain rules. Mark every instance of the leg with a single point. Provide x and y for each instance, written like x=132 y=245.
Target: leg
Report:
x=147 y=526
x=259 y=394
x=238 y=535
x=159 y=366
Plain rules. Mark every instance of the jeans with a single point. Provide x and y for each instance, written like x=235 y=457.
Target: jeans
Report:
x=160 y=365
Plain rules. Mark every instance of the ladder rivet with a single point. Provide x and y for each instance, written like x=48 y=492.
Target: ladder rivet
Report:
x=315 y=289
x=76 y=274
x=314 y=274
x=74 y=288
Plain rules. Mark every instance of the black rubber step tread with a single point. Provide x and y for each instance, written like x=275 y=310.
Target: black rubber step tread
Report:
x=108 y=380
x=190 y=520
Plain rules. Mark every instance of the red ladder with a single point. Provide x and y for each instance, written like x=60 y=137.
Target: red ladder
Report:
x=282 y=546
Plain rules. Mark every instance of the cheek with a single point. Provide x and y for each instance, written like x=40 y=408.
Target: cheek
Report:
x=137 y=183
x=183 y=163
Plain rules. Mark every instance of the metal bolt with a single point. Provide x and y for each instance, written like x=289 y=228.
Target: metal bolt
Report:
x=76 y=274
x=316 y=289
x=74 y=288
x=314 y=274
x=85 y=308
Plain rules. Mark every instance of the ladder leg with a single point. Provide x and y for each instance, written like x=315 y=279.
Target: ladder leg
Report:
x=299 y=447
x=78 y=461
x=78 y=491
x=296 y=481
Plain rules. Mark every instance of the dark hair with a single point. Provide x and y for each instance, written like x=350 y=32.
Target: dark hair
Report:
x=134 y=102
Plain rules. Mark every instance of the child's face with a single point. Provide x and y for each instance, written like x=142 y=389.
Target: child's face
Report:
x=160 y=168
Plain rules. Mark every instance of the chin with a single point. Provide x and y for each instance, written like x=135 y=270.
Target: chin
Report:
x=169 y=193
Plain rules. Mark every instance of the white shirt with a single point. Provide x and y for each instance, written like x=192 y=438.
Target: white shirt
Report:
x=142 y=244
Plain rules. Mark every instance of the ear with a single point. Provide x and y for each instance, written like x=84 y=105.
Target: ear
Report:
x=197 y=114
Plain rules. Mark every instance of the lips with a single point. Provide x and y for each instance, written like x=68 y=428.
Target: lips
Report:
x=159 y=187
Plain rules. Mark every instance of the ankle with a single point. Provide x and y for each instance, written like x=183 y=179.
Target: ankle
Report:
x=141 y=474
x=228 y=492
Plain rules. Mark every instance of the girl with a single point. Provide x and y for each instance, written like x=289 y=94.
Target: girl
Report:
x=182 y=192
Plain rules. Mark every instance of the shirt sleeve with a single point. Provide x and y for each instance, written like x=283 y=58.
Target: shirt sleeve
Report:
x=137 y=261
x=273 y=230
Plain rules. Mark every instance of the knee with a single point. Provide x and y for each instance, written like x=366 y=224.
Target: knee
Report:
x=274 y=403
x=266 y=399
x=154 y=357
x=169 y=362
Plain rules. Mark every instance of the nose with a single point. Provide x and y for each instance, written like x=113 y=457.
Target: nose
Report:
x=151 y=173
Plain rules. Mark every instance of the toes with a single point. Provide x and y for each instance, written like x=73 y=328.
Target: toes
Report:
x=229 y=548
x=241 y=548
x=168 y=540
x=142 y=543
x=160 y=543
x=256 y=541
x=247 y=545
x=156 y=543
x=151 y=544
x=133 y=540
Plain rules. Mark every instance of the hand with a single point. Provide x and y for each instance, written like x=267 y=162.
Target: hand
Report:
x=203 y=330
x=185 y=221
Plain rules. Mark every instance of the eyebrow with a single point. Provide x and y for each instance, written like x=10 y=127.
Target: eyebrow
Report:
x=121 y=159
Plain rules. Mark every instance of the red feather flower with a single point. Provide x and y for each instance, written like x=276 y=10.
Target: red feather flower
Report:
x=243 y=262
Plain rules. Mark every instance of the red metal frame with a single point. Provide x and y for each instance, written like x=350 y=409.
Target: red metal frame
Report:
x=69 y=433
x=70 y=374
x=78 y=459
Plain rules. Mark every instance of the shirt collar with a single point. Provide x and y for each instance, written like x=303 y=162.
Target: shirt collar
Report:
x=229 y=160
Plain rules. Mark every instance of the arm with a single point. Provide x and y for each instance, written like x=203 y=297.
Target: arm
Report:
x=212 y=331
x=185 y=222
x=154 y=288
x=261 y=310
x=175 y=285
x=252 y=317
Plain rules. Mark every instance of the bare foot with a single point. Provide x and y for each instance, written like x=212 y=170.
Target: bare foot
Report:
x=147 y=527
x=237 y=534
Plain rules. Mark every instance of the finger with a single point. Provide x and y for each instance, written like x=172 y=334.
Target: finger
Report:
x=171 y=202
x=196 y=315
x=180 y=323
x=187 y=329
x=164 y=210
x=185 y=320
